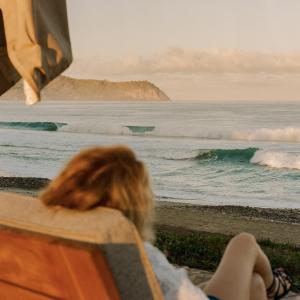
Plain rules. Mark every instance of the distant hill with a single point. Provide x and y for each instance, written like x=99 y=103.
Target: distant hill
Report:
x=67 y=88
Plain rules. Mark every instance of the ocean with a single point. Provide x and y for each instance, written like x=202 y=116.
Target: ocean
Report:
x=214 y=153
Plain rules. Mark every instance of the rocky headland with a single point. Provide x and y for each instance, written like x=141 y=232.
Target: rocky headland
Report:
x=67 y=88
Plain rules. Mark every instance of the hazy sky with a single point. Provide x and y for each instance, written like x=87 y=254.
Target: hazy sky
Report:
x=193 y=49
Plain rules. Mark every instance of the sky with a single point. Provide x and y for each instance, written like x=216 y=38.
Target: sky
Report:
x=192 y=49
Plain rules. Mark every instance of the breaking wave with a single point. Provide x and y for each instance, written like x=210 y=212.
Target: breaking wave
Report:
x=140 y=129
x=276 y=159
x=287 y=134
x=273 y=159
x=229 y=155
x=40 y=126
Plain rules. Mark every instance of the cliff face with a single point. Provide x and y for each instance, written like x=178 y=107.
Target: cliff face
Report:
x=66 y=88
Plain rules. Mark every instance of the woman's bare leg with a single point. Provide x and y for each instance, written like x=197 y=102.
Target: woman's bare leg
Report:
x=234 y=277
x=257 y=288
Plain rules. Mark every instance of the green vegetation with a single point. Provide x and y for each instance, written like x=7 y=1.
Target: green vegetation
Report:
x=204 y=250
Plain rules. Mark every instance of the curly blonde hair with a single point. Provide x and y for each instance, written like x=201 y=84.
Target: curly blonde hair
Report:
x=105 y=176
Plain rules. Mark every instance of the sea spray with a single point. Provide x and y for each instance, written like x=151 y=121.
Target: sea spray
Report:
x=276 y=159
x=287 y=134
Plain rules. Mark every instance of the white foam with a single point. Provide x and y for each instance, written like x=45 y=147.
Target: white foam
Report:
x=287 y=134
x=159 y=131
x=91 y=127
x=276 y=159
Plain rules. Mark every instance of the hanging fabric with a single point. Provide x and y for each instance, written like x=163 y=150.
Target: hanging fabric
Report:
x=34 y=44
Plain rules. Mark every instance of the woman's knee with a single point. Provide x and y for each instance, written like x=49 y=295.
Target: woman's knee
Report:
x=257 y=288
x=243 y=239
x=243 y=245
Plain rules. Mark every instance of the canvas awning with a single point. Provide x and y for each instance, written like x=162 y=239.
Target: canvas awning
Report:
x=34 y=42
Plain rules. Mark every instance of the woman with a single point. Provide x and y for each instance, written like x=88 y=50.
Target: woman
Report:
x=113 y=177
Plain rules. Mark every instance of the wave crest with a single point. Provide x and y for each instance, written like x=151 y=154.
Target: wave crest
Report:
x=287 y=134
x=273 y=159
x=231 y=155
x=40 y=126
x=140 y=129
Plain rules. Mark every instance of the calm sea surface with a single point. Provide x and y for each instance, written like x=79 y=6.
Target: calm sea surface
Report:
x=202 y=153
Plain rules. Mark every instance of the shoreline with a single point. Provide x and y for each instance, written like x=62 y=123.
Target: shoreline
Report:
x=32 y=185
x=275 y=224
x=183 y=227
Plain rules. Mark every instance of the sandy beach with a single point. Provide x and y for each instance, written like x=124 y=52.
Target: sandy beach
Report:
x=278 y=225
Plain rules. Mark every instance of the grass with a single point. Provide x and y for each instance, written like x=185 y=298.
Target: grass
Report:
x=204 y=250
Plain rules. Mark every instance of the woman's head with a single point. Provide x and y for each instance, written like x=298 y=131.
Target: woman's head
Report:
x=105 y=176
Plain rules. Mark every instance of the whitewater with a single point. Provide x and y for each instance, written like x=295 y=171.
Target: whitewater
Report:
x=203 y=153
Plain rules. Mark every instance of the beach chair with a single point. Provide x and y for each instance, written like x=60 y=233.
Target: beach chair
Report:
x=54 y=253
